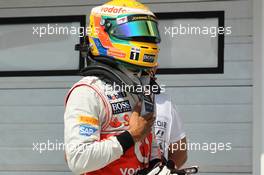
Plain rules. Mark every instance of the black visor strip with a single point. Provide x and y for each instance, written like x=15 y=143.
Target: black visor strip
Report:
x=141 y=17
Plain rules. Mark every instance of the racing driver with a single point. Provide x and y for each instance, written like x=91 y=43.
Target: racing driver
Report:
x=108 y=130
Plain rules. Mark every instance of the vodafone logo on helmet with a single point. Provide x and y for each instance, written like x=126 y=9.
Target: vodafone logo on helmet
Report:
x=115 y=10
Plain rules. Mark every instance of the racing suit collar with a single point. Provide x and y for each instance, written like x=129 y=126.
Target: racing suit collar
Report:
x=137 y=77
x=145 y=80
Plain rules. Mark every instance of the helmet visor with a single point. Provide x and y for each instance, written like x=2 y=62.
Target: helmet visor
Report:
x=142 y=30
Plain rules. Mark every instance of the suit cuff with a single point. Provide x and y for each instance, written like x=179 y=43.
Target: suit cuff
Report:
x=126 y=140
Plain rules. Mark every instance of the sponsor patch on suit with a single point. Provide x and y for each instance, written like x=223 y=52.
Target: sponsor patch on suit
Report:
x=87 y=130
x=121 y=107
x=116 y=95
x=88 y=120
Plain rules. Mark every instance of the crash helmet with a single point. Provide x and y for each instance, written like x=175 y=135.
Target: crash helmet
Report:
x=126 y=32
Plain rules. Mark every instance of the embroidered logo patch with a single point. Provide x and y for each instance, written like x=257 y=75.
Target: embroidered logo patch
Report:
x=121 y=107
x=88 y=120
x=117 y=95
x=87 y=130
x=149 y=58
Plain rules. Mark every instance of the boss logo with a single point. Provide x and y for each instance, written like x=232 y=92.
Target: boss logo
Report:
x=149 y=58
x=113 y=10
x=121 y=107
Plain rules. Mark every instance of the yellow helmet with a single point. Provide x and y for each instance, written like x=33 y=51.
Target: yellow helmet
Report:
x=125 y=31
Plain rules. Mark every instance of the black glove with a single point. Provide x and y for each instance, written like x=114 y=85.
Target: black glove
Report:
x=163 y=167
x=152 y=164
x=156 y=166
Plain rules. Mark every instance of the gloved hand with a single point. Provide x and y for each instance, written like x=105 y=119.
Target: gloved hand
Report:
x=153 y=165
x=164 y=171
x=166 y=168
x=160 y=170
x=163 y=168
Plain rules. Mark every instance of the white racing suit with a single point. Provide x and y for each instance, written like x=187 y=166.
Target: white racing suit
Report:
x=96 y=140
